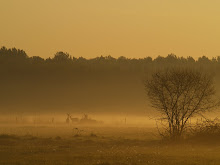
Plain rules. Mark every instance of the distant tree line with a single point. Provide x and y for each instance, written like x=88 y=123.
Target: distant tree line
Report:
x=19 y=57
x=64 y=81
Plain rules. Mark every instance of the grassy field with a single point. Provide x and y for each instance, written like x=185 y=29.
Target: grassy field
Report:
x=62 y=145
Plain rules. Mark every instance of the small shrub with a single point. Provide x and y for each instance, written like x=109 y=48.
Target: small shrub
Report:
x=206 y=129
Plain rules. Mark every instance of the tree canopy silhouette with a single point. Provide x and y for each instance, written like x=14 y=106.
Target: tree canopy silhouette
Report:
x=34 y=82
x=179 y=94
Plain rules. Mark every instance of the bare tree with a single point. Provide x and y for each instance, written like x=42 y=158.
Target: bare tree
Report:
x=179 y=94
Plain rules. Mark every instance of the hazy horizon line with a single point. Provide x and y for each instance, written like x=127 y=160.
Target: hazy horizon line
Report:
x=110 y=55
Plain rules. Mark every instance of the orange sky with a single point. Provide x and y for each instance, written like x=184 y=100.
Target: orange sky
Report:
x=131 y=28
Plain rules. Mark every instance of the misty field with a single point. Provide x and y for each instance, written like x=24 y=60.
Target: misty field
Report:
x=107 y=145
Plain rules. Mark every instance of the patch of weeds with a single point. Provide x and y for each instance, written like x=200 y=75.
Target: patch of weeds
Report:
x=29 y=137
x=103 y=163
x=6 y=136
x=208 y=130
x=93 y=135
x=58 y=138
x=76 y=135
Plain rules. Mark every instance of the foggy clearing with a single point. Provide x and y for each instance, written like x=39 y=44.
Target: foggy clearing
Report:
x=99 y=112
x=118 y=139
x=46 y=143
x=117 y=82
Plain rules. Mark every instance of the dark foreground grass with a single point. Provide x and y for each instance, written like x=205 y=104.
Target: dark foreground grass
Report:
x=98 y=150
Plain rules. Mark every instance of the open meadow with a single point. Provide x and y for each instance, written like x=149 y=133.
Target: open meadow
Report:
x=100 y=145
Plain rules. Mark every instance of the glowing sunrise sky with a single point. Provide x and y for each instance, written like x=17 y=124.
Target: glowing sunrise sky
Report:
x=131 y=28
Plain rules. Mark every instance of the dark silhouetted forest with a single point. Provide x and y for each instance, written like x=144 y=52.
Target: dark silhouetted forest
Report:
x=66 y=83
